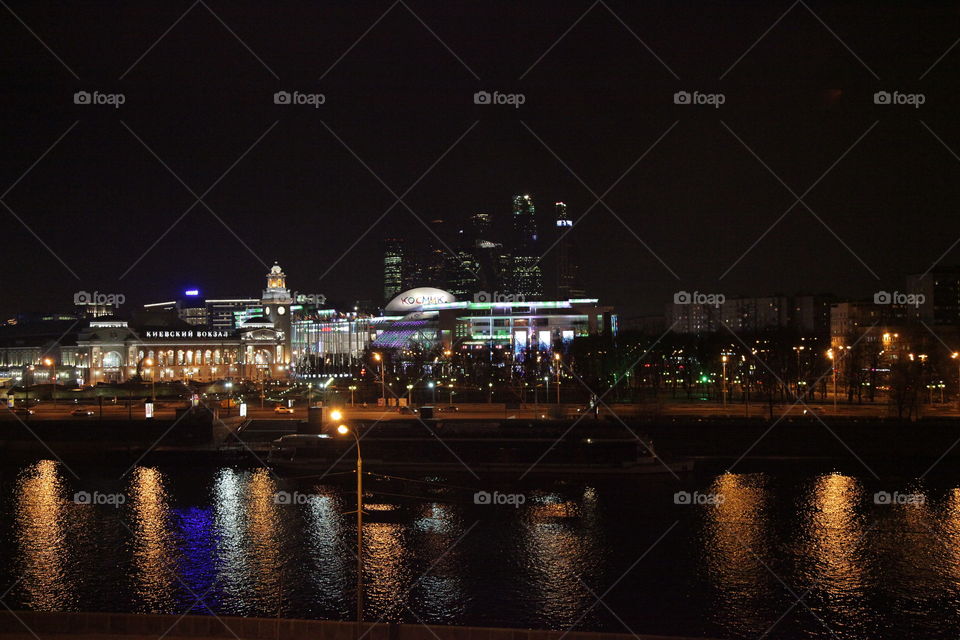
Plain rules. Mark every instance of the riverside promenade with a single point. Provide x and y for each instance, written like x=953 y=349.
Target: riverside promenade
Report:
x=34 y=625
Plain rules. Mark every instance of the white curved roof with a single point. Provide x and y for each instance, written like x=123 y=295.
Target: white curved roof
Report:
x=414 y=299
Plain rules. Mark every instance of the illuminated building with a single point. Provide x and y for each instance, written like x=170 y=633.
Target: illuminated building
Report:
x=566 y=266
x=429 y=318
x=394 y=267
x=525 y=277
x=188 y=339
x=524 y=224
x=940 y=289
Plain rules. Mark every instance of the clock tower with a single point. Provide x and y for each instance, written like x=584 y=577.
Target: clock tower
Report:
x=276 y=301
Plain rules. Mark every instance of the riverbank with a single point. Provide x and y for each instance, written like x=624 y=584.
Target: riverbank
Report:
x=31 y=625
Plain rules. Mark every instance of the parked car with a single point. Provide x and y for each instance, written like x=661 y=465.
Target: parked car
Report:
x=81 y=413
x=282 y=409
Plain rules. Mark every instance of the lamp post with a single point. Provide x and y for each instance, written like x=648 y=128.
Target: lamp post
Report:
x=556 y=359
x=352 y=388
x=53 y=378
x=153 y=381
x=723 y=381
x=833 y=368
x=451 y=392
x=344 y=430
x=229 y=397
x=409 y=395
x=433 y=390
x=956 y=356
x=383 y=378
x=798 y=350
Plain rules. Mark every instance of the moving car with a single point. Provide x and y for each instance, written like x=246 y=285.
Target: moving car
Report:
x=282 y=409
x=450 y=409
x=23 y=411
x=408 y=411
x=81 y=412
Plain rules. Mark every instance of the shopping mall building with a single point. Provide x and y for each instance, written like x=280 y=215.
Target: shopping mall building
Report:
x=327 y=342
x=277 y=335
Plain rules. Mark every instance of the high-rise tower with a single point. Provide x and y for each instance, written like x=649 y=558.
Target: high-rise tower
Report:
x=566 y=265
x=526 y=277
x=394 y=267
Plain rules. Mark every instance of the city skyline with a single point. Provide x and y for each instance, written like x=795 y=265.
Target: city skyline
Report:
x=691 y=186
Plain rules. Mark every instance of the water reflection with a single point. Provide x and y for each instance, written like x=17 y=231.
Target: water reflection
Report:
x=387 y=574
x=247 y=527
x=41 y=513
x=832 y=533
x=560 y=552
x=154 y=552
x=440 y=595
x=736 y=545
x=329 y=569
x=872 y=570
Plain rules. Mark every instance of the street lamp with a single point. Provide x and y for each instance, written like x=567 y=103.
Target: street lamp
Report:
x=383 y=378
x=344 y=430
x=409 y=395
x=153 y=381
x=833 y=368
x=433 y=388
x=229 y=397
x=798 y=350
x=352 y=388
x=956 y=356
x=556 y=358
x=723 y=382
x=53 y=378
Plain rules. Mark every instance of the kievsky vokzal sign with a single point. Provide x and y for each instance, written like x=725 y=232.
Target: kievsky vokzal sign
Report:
x=189 y=334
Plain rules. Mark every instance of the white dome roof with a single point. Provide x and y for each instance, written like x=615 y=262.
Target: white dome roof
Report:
x=414 y=299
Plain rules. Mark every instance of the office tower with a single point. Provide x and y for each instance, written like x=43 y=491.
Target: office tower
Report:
x=480 y=226
x=395 y=267
x=566 y=264
x=526 y=276
x=462 y=274
x=524 y=224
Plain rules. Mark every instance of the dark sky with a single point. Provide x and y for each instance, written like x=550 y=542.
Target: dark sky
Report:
x=399 y=98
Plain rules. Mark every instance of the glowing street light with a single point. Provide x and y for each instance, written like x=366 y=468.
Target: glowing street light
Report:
x=383 y=378
x=50 y=362
x=344 y=430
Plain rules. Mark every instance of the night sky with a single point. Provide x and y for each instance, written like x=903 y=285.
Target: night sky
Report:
x=296 y=189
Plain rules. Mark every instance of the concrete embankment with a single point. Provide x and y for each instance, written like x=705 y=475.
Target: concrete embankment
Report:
x=31 y=625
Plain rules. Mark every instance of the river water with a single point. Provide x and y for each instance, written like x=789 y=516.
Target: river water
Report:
x=788 y=551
